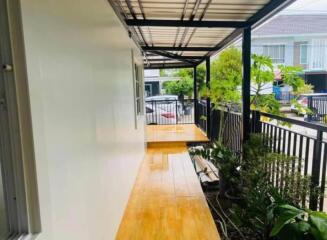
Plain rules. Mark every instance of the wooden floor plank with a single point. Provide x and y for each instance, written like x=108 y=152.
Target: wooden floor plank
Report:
x=167 y=201
x=175 y=133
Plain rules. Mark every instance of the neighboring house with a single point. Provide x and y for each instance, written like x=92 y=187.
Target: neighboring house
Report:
x=154 y=83
x=296 y=40
x=299 y=40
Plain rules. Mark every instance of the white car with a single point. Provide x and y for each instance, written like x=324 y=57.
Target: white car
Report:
x=163 y=109
x=161 y=113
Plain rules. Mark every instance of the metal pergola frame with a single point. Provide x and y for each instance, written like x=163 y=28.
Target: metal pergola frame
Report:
x=133 y=14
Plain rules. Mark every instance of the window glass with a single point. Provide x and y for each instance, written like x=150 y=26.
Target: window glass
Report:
x=275 y=52
x=138 y=89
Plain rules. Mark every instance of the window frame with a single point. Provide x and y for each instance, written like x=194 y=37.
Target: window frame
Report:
x=300 y=46
x=16 y=142
x=281 y=46
x=138 y=88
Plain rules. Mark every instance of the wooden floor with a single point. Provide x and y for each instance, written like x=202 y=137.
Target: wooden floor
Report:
x=175 y=133
x=167 y=201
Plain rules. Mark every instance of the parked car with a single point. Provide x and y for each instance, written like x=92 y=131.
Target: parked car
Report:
x=166 y=102
x=303 y=100
x=161 y=113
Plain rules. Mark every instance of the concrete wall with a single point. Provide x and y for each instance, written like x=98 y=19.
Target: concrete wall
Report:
x=87 y=148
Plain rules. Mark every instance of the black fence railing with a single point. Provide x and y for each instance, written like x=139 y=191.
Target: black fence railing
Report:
x=303 y=143
x=201 y=114
x=306 y=144
x=318 y=108
x=227 y=126
x=285 y=98
x=172 y=111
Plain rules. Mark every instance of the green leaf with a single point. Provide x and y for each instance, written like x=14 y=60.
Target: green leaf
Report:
x=319 y=221
x=294 y=231
x=287 y=215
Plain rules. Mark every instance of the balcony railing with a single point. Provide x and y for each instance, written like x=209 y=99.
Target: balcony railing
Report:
x=166 y=112
x=318 y=108
x=305 y=143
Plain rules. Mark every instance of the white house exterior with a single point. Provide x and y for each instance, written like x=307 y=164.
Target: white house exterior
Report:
x=299 y=40
x=154 y=83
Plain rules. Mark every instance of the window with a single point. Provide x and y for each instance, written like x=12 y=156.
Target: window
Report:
x=138 y=90
x=276 y=52
x=304 y=53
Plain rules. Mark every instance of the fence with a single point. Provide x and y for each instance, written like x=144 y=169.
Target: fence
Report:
x=285 y=98
x=306 y=144
x=318 y=108
x=227 y=126
x=172 y=111
x=201 y=114
x=303 y=143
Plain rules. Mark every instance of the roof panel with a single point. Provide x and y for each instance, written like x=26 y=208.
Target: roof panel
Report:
x=185 y=40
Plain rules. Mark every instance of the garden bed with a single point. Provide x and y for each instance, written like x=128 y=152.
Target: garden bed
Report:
x=244 y=202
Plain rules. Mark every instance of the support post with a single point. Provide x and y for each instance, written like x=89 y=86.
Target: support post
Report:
x=196 y=119
x=246 y=83
x=315 y=174
x=208 y=99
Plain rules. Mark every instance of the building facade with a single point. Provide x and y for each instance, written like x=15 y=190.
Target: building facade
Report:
x=299 y=40
x=153 y=82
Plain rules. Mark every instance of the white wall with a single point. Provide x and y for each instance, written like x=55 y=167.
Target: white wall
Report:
x=258 y=43
x=81 y=91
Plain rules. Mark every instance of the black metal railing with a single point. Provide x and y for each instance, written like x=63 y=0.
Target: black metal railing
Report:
x=165 y=112
x=303 y=143
x=201 y=114
x=318 y=108
x=227 y=126
x=285 y=98
x=306 y=144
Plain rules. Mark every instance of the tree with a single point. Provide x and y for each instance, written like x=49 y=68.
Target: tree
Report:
x=226 y=77
x=181 y=88
x=228 y=66
x=226 y=74
x=188 y=72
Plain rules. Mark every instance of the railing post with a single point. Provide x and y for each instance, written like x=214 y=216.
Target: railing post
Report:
x=208 y=113
x=310 y=107
x=315 y=174
x=176 y=110
x=246 y=83
x=256 y=124
x=196 y=119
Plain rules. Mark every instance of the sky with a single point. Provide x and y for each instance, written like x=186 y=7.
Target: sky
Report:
x=307 y=7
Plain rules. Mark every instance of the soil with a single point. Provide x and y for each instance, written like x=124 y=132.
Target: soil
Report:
x=232 y=233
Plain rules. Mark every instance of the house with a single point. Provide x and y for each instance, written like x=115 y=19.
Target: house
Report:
x=73 y=138
x=299 y=40
x=153 y=82
x=296 y=40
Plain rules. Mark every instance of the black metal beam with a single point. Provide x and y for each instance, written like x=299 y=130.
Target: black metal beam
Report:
x=161 y=59
x=271 y=8
x=188 y=23
x=263 y=14
x=184 y=49
x=208 y=99
x=228 y=40
x=246 y=83
x=166 y=66
x=175 y=56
